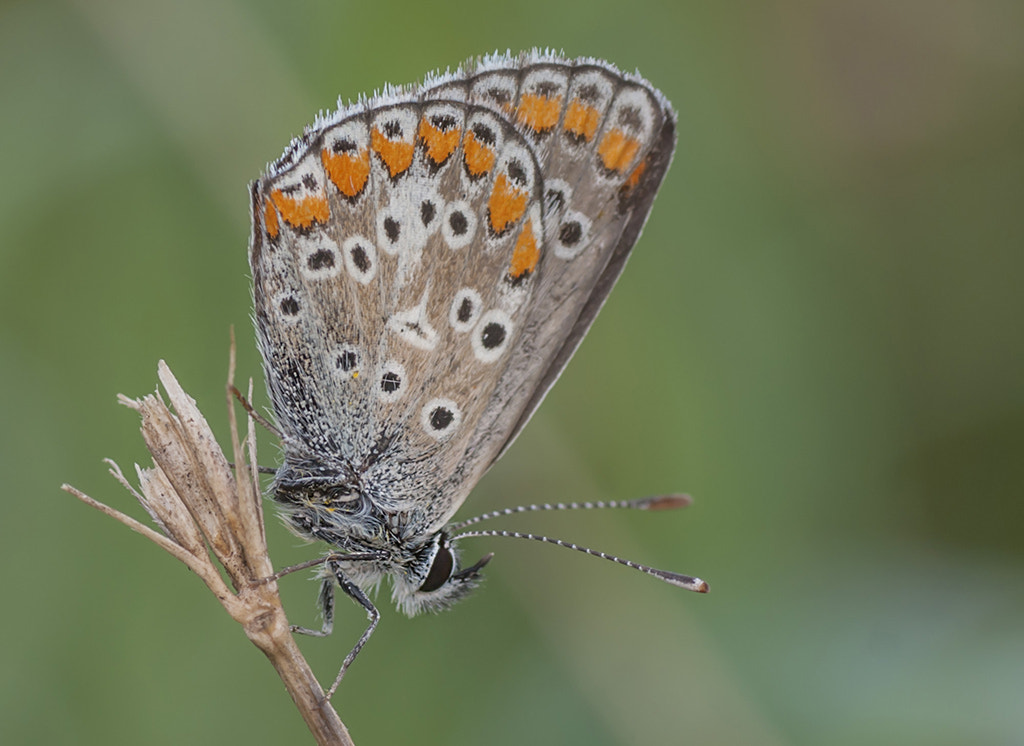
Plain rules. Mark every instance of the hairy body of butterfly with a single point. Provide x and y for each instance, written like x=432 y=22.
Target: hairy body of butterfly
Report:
x=424 y=265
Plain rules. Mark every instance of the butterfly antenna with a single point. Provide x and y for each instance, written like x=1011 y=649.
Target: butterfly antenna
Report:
x=656 y=502
x=672 y=578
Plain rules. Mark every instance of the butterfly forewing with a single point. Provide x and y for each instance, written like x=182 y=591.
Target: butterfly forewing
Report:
x=604 y=142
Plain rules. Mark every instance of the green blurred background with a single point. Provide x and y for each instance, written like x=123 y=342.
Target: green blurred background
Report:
x=819 y=336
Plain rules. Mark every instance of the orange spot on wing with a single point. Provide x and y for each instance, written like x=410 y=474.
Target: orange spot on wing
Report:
x=617 y=150
x=301 y=212
x=440 y=143
x=347 y=171
x=270 y=219
x=506 y=205
x=397 y=156
x=526 y=254
x=539 y=113
x=582 y=120
x=479 y=156
x=634 y=178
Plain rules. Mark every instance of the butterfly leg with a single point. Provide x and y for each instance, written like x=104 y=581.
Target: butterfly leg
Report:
x=254 y=414
x=326 y=602
x=372 y=614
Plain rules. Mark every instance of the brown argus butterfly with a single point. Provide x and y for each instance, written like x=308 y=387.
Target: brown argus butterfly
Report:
x=424 y=265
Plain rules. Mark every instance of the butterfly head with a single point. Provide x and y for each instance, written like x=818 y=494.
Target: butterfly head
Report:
x=432 y=580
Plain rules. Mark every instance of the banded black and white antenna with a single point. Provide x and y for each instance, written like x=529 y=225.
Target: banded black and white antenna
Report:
x=658 y=502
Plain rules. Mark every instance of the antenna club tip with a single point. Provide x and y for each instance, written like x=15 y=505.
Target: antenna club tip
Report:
x=667 y=502
x=686 y=582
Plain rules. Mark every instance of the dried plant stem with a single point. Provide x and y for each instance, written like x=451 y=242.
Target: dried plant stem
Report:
x=202 y=508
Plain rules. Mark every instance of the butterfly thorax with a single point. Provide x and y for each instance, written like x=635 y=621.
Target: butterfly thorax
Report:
x=336 y=508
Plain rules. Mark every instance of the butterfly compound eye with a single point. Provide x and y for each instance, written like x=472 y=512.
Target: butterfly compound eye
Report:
x=440 y=570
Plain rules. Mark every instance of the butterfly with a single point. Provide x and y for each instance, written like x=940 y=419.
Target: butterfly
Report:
x=425 y=262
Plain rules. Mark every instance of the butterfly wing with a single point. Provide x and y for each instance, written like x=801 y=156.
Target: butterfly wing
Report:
x=604 y=141
x=425 y=264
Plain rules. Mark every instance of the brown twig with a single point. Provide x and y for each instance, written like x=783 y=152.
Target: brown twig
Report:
x=201 y=507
